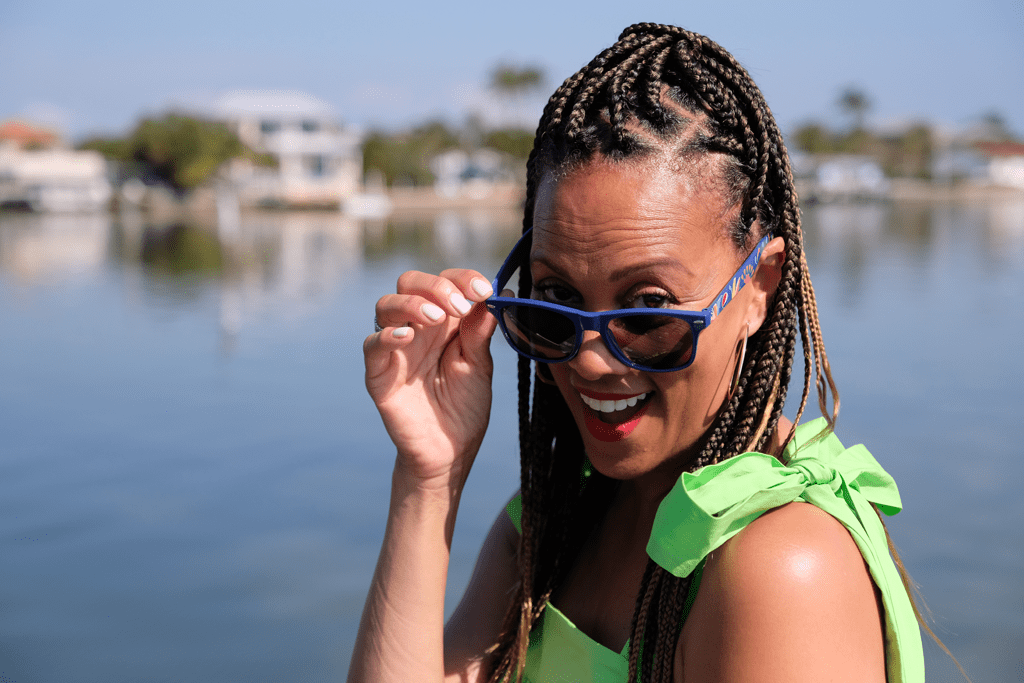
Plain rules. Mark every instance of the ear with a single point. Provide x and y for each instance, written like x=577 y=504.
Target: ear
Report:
x=765 y=282
x=543 y=372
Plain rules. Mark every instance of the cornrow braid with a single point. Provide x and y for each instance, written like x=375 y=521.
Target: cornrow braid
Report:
x=658 y=90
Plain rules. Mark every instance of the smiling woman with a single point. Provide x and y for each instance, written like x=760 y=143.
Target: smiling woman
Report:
x=671 y=524
x=639 y=236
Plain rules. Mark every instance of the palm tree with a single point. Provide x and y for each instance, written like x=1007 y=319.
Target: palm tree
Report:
x=512 y=84
x=513 y=80
x=855 y=103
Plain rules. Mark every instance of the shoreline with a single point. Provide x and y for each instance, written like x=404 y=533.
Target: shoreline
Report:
x=506 y=200
x=914 y=190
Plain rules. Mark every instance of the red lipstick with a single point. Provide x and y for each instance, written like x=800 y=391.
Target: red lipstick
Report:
x=603 y=431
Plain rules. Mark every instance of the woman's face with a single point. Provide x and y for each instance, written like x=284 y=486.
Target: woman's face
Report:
x=637 y=234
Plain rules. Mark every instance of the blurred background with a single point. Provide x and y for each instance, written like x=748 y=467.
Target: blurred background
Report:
x=200 y=203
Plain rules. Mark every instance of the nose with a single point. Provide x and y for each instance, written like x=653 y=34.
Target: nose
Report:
x=595 y=359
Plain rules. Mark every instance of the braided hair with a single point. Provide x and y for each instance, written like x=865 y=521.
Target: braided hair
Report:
x=659 y=89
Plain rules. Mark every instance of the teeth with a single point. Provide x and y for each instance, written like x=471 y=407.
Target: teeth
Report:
x=612 y=406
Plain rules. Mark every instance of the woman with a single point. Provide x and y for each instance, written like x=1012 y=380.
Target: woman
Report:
x=642 y=545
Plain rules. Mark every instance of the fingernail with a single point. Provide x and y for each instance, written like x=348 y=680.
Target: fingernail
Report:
x=460 y=303
x=400 y=332
x=432 y=311
x=482 y=287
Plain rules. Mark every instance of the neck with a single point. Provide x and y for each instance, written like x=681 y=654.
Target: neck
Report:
x=642 y=496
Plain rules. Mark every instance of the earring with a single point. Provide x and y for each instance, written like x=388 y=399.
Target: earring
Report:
x=739 y=366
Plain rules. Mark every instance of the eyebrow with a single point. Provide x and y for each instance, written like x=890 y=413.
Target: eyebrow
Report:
x=623 y=273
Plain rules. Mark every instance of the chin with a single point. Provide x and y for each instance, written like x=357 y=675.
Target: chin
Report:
x=621 y=469
x=638 y=455
x=623 y=459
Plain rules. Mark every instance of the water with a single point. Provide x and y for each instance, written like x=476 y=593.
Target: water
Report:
x=193 y=484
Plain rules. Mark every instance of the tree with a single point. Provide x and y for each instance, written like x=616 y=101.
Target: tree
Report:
x=994 y=127
x=512 y=84
x=909 y=154
x=404 y=158
x=814 y=138
x=513 y=80
x=181 y=151
x=112 y=148
x=513 y=142
x=184 y=151
x=854 y=102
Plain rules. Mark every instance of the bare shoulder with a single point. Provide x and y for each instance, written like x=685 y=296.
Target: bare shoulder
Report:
x=788 y=598
x=795 y=547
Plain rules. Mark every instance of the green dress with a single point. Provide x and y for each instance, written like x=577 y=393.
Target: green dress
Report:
x=708 y=507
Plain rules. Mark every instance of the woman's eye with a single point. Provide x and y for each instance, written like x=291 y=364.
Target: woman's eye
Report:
x=557 y=294
x=650 y=300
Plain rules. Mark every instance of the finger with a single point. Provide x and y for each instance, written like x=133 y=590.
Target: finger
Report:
x=396 y=310
x=472 y=284
x=377 y=348
x=475 y=332
x=436 y=289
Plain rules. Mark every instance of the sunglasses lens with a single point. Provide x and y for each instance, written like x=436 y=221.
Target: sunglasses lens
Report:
x=539 y=333
x=659 y=342
x=656 y=342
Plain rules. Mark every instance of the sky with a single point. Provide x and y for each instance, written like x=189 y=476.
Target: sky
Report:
x=97 y=67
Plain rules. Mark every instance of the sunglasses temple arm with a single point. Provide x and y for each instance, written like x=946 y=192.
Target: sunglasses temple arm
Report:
x=739 y=279
x=512 y=261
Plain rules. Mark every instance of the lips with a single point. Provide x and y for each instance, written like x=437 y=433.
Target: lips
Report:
x=612 y=417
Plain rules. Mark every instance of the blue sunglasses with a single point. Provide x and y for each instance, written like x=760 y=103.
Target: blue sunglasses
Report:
x=664 y=341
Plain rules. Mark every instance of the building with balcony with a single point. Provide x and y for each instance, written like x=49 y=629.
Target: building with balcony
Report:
x=311 y=160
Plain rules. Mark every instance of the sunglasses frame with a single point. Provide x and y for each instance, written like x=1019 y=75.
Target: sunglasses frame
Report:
x=598 y=322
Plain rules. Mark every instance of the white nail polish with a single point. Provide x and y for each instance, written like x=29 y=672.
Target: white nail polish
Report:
x=401 y=332
x=432 y=312
x=460 y=303
x=482 y=288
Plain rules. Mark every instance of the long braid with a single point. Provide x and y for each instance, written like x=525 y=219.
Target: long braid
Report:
x=659 y=88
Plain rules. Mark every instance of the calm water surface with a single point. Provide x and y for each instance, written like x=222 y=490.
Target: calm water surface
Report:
x=193 y=484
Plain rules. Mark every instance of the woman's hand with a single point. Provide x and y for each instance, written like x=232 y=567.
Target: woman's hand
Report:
x=429 y=372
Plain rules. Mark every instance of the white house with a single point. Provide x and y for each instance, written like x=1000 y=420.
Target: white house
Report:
x=1003 y=163
x=840 y=177
x=458 y=174
x=38 y=174
x=318 y=162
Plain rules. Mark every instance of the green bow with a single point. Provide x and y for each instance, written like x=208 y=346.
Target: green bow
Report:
x=708 y=507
